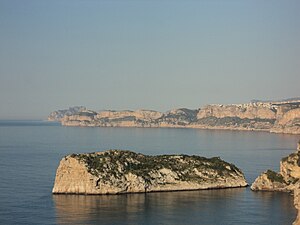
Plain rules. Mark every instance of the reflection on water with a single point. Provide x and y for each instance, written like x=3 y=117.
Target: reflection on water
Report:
x=227 y=206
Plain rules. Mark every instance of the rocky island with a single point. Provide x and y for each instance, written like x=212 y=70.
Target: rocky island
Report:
x=287 y=180
x=117 y=172
x=275 y=116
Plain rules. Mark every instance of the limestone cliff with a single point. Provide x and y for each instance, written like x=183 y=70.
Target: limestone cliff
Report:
x=115 y=171
x=287 y=180
x=243 y=111
x=277 y=117
x=241 y=117
x=288 y=123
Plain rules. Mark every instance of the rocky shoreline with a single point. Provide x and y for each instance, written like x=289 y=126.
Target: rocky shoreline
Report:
x=120 y=172
x=287 y=180
x=275 y=117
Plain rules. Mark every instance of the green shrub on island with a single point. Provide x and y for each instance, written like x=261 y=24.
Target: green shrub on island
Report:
x=275 y=177
x=110 y=162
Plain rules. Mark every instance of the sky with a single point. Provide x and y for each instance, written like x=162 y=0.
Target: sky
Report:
x=155 y=54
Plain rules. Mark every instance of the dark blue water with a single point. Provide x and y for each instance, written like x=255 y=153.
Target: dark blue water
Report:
x=31 y=150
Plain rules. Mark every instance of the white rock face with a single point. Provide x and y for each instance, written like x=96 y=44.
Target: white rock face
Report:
x=73 y=176
x=114 y=172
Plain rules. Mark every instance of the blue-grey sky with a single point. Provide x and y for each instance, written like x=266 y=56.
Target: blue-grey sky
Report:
x=145 y=54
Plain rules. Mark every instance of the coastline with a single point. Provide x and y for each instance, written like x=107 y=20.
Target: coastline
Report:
x=181 y=127
x=274 y=117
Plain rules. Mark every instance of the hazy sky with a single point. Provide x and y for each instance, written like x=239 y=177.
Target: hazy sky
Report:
x=145 y=54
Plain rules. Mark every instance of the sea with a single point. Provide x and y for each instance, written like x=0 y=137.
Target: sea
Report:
x=30 y=152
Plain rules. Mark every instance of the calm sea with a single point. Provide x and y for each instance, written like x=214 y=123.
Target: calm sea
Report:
x=31 y=150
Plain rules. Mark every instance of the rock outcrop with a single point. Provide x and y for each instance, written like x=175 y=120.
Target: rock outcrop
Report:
x=277 y=117
x=116 y=172
x=287 y=180
x=271 y=181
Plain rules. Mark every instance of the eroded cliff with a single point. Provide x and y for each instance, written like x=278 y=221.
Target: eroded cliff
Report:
x=116 y=171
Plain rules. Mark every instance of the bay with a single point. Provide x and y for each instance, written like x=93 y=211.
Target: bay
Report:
x=30 y=152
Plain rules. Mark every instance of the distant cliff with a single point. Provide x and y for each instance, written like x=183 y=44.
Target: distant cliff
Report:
x=116 y=172
x=59 y=114
x=287 y=180
x=277 y=117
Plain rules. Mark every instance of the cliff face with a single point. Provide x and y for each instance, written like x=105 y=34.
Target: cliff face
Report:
x=236 y=117
x=287 y=180
x=115 y=171
x=139 y=118
x=147 y=115
x=249 y=111
x=277 y=117
x=288 y=123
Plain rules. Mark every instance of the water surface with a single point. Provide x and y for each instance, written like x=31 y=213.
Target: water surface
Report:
x=30 y=152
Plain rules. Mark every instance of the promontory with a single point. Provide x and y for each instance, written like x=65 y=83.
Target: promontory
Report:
x=118 y=171
x=287 y=180
x=273 y=116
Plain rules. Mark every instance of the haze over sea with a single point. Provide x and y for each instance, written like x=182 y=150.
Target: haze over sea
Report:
x=30 y=152
x=130 y=54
